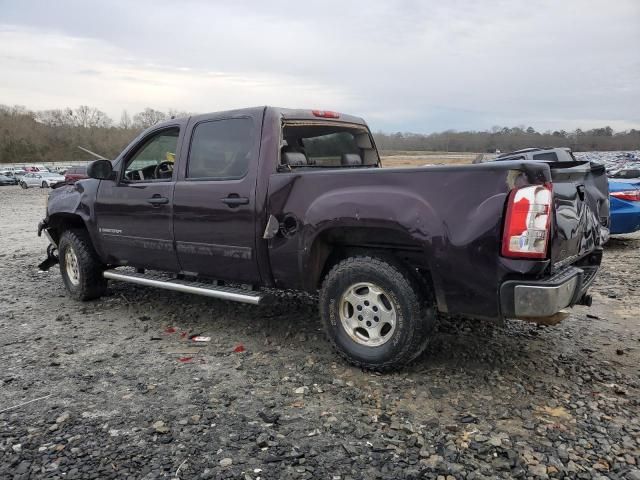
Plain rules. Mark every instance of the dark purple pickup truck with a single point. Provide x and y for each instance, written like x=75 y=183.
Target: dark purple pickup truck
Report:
x=235 y=204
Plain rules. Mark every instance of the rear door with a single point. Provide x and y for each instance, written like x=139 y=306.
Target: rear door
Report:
x=581 y=201
x=134 y=212
x=215 y=197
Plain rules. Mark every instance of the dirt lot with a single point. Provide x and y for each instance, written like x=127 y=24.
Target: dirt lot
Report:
x=116 y=393
x=421 y=158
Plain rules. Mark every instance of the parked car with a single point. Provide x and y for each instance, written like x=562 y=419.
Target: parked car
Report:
x=295 y=199
x=624 y=205
x=73 y=174
x=40 y=179
x=7 y=180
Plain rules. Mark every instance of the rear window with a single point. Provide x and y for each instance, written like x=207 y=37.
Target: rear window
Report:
x=327 y=145
x=329 y=149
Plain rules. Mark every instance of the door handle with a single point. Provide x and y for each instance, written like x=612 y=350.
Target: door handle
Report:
x=235 y=200
x=158 y=200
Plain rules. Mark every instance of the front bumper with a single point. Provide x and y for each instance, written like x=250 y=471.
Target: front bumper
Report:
x=546 y=297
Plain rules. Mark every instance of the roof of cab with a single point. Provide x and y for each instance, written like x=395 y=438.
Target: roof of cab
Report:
x=285 y=113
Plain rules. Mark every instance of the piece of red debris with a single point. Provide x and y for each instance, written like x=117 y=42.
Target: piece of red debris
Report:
x=185 y=359
x=239 y=348
x=170 y=330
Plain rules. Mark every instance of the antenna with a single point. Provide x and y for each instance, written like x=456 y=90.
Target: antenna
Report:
x=92 y=153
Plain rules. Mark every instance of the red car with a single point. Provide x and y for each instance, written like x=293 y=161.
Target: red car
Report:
x=75 y=173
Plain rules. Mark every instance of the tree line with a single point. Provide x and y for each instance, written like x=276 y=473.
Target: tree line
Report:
x=507 y=139
x=28 y=136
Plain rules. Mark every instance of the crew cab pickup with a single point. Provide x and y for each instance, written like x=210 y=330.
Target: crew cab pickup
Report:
x=237 y=204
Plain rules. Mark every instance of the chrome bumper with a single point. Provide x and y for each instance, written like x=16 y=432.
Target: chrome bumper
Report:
x=544 y=298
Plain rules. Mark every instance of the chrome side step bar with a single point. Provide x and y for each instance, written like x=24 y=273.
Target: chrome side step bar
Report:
x=185 y=286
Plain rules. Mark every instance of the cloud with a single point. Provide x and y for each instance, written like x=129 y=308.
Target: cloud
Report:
x=407 y=65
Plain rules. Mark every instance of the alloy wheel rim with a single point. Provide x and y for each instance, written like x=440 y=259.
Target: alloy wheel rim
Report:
x=72 y=268
x=367 y=314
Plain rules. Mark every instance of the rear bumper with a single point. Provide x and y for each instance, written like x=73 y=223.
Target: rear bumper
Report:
x=545 y=297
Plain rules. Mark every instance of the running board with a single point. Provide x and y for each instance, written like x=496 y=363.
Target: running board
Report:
x=224 y=293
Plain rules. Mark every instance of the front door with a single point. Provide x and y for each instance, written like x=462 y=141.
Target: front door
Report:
x=214 y=199
x=134 y=212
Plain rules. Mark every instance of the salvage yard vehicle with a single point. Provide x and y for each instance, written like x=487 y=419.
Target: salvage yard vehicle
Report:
x=73 y=174
x=625 y=205
x=235 y=204
x=7 y=180
x=40 y=179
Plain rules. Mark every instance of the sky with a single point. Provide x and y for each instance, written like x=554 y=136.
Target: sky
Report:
x=404 y=65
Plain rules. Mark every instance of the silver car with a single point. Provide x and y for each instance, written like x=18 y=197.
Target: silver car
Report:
x=40 y=179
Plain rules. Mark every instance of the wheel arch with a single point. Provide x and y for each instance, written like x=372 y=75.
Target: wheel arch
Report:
x=335 y=244
x=57 y=223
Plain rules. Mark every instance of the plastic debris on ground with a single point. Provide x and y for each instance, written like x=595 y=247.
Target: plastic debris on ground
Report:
x=200 y=339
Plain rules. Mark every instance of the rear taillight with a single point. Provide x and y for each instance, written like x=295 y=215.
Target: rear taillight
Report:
x=629 y=195
x=325 y=114
x=528 y=220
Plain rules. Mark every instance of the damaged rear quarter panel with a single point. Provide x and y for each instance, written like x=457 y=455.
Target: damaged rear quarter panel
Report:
x=453 y=215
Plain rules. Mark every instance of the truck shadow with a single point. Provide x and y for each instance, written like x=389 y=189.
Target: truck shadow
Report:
x=293 y=322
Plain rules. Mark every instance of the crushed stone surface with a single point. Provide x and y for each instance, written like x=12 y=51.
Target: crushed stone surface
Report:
x=117 y=389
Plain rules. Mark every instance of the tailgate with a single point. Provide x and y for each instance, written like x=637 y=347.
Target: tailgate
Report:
x=581 y=217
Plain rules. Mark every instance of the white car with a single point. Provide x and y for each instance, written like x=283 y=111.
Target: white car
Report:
x=40 y=179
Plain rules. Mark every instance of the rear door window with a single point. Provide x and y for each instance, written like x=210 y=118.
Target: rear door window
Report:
x=221 y=149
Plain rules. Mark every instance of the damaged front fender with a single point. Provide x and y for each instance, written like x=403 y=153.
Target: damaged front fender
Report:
x=69 y=206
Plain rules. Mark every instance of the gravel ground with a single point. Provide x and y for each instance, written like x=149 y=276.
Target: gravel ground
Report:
x=117 y=391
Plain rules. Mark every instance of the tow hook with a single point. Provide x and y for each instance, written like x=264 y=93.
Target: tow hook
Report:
x=51 y=260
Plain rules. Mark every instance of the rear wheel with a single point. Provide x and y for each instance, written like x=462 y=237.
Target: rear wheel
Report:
x=80 y=266
x=44 y=185
x=375 y=313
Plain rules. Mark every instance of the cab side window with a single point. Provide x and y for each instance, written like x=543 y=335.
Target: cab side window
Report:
x=154 y=159
x=220 y=149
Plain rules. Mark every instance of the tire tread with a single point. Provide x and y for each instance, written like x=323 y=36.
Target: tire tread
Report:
x=92 y=283
x=401 y=277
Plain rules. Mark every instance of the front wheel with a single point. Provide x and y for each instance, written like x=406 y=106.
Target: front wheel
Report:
x=80 y=266
x=23 y=185
x=375 y=313
x=44 y=185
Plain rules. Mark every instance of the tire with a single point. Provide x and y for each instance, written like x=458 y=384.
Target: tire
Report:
x=44 y=185
x=82 y=277
x=24 y=185
x=362 y=293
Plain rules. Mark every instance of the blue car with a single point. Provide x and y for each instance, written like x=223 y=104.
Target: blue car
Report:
x=624 y=205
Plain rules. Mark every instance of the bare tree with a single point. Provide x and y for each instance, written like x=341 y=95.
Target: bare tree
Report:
x=59 y=117
x=125 y=120
x=148 y=118
x=90 y=117
x=175 y=113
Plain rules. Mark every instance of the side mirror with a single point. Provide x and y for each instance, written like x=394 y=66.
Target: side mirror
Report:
x=100 y=170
